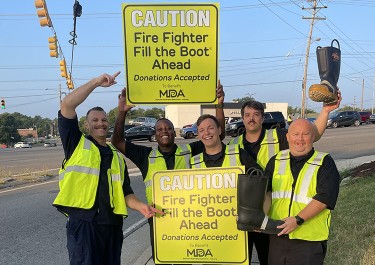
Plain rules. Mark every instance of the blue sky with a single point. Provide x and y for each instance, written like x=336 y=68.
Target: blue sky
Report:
x=255 y=37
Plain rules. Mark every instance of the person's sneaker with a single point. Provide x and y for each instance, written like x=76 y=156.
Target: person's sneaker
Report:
x=323 y=93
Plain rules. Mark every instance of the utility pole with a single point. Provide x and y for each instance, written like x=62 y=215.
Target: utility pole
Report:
x=363 y=91
x=59 y=93
x=314 y=10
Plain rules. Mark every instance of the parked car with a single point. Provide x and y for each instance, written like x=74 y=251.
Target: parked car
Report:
x=365 y=116
x=146 y=121
x=140 y=133
x=272 y=119
x=22 y=145
x=49 y=144
x=312 y=120
x=372 y=118
x=189 y=132
x=344 y=118
x=110 y=131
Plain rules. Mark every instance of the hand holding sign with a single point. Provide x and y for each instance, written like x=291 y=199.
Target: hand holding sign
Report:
x=122 y=106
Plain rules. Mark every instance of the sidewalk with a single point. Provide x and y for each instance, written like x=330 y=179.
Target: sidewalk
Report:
x=341 y=164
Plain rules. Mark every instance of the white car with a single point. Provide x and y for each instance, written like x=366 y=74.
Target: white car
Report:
x=22 y=145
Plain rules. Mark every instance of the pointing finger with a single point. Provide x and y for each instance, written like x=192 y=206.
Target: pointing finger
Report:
x=116 y=74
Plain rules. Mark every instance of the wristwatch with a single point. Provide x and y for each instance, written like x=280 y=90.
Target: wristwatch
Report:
x=299 y=220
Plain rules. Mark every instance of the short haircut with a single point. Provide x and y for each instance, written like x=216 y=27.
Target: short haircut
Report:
x=95 y=108
x=207 y=116
x=252 y=104
x=164 y=119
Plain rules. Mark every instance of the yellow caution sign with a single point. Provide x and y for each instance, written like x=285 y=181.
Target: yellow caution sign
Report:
x=171 y=53
x=200 y=221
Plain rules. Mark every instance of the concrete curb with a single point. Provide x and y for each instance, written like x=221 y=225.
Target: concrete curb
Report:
x=343 y=164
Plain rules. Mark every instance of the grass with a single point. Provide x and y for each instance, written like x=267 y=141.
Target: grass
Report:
x=26 y=176
x=352 y=236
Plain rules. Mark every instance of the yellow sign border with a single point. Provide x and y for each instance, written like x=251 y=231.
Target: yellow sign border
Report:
x=181 y=203
x=173 y=92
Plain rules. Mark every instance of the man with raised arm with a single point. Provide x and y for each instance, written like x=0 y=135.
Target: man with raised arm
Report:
x=262 y=144
x=167 y=155
x=94 y=183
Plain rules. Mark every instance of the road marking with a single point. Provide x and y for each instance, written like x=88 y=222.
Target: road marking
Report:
x=134 y=227
x=29 y=186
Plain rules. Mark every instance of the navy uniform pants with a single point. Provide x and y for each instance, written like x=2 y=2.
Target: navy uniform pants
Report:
x=94 y=244
x=261 y=242
x=296 y=252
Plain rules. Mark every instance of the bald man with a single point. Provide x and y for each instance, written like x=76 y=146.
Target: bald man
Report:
x=304 y=184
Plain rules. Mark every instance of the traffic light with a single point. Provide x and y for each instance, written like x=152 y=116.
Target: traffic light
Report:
x=2 y=103
x=42 y=12
x=69 y=82
x=63 y=68
x=53 y=48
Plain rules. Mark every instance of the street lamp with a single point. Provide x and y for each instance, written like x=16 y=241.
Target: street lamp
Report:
x=290 y=52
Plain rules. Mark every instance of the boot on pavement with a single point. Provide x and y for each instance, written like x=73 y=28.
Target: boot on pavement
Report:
x=329 y=61
x=251 y=191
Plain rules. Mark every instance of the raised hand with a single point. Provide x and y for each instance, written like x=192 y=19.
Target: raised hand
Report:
x=122 y=106
x=107 y=80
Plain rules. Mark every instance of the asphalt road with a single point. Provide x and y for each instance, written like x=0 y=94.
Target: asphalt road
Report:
x=32 y=232
x=341 y=143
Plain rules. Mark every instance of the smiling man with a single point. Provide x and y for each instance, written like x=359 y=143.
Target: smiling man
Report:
x=262 y=144
x=304 y=185
x=167 y=155
x=94 y=183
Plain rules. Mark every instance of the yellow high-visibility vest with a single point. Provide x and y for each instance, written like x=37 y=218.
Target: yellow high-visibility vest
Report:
x=156 y=162
x=285 y=199
x=232 y=158
x=79 y=178
x=268 y=147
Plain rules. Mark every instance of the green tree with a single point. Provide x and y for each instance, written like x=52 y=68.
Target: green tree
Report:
x=244 y=99
x=81 y=124
x=8 y=129
x=155 y=112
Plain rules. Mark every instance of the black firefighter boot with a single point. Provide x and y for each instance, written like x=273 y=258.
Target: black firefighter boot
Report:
x=329 y=60
x=251 y=191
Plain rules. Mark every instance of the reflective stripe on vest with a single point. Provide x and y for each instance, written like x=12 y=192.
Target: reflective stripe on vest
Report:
x=156 y=162
x=81 y=169
x=232 y=158
x=79 y=178
x=288 y=202
x=269 y=146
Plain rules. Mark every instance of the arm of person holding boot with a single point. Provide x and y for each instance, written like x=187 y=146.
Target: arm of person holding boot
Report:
x=311 y=210
x=321 y=121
